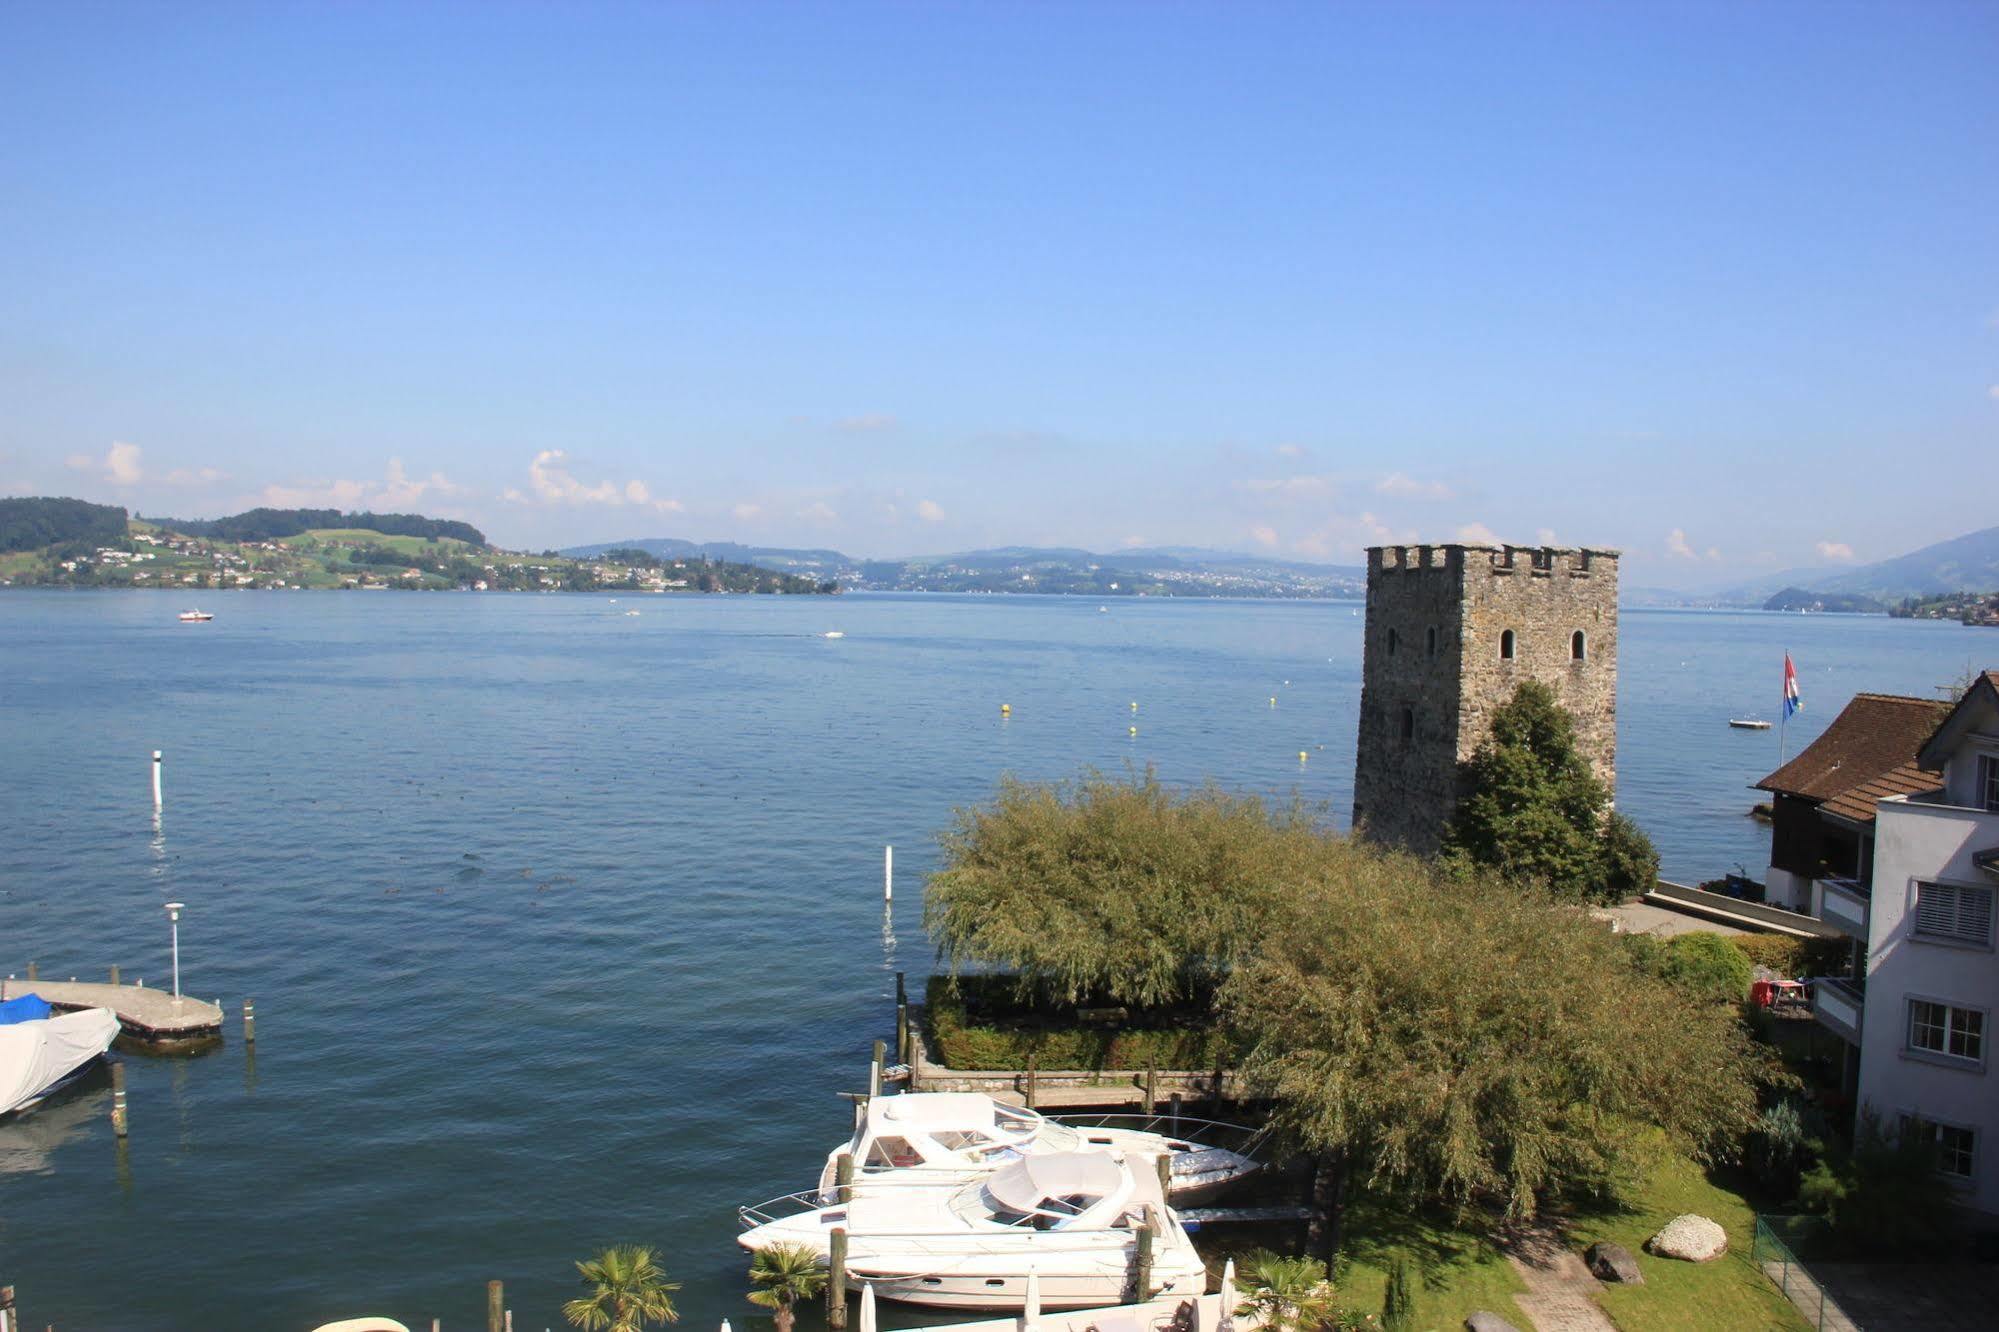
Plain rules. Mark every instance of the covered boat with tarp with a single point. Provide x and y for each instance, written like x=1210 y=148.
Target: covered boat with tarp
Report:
x=40 y=1054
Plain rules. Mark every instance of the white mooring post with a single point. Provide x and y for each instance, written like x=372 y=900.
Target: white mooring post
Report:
x=157 y=800
x=173 y=914
x=888 y=874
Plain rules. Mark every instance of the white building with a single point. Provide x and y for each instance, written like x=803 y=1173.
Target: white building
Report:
x=1925 y=1009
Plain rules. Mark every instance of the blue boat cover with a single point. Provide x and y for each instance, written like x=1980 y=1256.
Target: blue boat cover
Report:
x=27 y=1008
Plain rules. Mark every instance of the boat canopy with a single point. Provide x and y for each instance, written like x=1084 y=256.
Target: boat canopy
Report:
x=1022 y=1186
x=34 y=1056
x=25 y=1008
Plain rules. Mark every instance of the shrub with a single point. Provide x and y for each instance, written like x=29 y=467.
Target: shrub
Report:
x=1707 y=966
x=1788 y=956
x=1398 y=1306
x=1785 y=1141
x=1885 y=1197
x=974 y=1026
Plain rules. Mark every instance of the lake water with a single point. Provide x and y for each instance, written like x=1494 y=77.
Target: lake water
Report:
x=564 y=926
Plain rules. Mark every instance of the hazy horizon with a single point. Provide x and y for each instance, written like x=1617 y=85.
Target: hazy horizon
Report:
x=1714 y=285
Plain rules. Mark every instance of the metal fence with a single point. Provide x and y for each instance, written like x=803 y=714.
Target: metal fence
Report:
x=1779 y=1240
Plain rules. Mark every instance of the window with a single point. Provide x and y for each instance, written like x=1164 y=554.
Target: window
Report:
x=1578 y=647
x=1394 y=640
x=1430 y=642
x=1954 y=1145
x=1506 y=646
x=1954 y=911
x=1408 y=723
x=891 y=1152
x=1987 y=794
x=1942 y=1029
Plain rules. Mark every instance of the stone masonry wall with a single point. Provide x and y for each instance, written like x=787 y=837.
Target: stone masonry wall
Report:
x=1425 y=706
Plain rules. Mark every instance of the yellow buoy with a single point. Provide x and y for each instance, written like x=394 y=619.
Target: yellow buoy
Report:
x=1134 y=730
x=1273 y=701
x=1005 y=711
x=1301 y=756
x=1134 y=705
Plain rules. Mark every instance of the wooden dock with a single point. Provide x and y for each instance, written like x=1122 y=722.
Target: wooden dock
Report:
x=149 y=1014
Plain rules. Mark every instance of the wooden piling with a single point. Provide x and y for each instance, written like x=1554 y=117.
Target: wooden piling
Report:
x=114 y=973
x=9 y=1320
x=249 y=1022
x=437 y=1325
x=836 y=1284
x=1151 y=1088
x=1165 y=1163
x=1176 y=1114
x=496 y=1305
x=843 y=1177
x=34 y=971
x=1142 y=1278
x=875 y=1069
x=1027 y=1093
x=901 y=991
x=120 y=1125
x=510 y=1320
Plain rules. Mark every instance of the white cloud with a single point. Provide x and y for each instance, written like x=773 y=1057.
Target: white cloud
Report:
x=1677 y=547
x=1478 y=532
x=819 y=511
x=1993 y=392
x=867 y=421
x=196 y=476
x=1132 y=541
x=1291 y=450
x=1546 y=536
x=119 y=465
x=930 y=511
x=396 y=490
x=551 y=482
x=1403 y=486
x=1290 y=487
x=1264 y=534
x=748 y=511
x=1835 y=550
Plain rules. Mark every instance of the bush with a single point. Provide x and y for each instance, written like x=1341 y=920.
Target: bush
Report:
x=1885 y=1197
x=1707 y=966
x=1786 y=1141
x=1629 y=866
x=1398 y=1306
x=1788 y=956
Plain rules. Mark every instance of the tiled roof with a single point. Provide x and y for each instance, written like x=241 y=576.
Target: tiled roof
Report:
x=1868 y=752
x=1857 y=803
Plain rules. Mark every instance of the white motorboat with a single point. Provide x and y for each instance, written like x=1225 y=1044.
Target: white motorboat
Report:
x=191 y=616
x=40 y=1055
x=931 y=1137
x=1069 y=1219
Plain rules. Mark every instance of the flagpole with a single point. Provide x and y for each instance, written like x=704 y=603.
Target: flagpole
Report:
x=1784 y=713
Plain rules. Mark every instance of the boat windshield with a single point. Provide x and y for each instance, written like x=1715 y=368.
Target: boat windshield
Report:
x=976 y=1203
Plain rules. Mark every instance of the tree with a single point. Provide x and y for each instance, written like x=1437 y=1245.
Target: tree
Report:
x=1115 y=890
x=1533 y=811
x=1885 y=1197
x=785 y=1274
x=1471 y=1042
x=629 y=1292
x=1398 y=1304
x=1286 y=1294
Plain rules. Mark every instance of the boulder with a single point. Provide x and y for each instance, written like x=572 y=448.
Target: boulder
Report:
x=1488 y=1322
x=1693 y=1238
x=1613 y=1262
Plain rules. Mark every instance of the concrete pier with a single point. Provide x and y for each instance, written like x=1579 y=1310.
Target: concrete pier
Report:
x=150 y=1014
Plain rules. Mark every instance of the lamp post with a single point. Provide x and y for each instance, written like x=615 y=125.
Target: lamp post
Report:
x=173 y=914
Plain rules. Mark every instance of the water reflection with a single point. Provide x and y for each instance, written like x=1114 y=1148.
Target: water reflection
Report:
x=28 y=1141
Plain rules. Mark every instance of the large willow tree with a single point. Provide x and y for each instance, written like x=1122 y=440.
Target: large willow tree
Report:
x=1447 y=1038
x=1113 y=890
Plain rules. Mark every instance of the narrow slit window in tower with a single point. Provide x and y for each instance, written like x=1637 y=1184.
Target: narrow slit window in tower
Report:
x=1408 y=723
x=1430 y=642
x=1506 y=646
x=1578 y=647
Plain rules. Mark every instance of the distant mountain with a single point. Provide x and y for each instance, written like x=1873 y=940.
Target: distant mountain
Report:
x=277 y=524
x=1798 y=599
x=1170 y=571
x=1969 y=563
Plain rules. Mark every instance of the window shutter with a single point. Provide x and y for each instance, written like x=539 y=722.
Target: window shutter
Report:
x=1948 y=911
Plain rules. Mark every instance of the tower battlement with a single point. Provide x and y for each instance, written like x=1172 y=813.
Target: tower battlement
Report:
x=1452 y=630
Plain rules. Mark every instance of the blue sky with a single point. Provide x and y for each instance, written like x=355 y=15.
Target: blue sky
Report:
x=1715 y=284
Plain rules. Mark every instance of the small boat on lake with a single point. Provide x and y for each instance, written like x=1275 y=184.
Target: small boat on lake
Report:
x=1748 y=724
x=194 y=616
x=40 y=1053
x=1069 y=1219
x=930 y=1138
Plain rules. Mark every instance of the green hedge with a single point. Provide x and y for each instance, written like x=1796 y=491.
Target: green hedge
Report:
x=1788 y=956
x=974 y=1024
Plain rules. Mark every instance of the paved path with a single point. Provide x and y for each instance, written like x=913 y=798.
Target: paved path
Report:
x=153 y=1014
x=1561 y=1293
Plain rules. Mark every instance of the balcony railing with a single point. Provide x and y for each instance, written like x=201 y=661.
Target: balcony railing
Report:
x=1844 y=902
x=1838 y=1005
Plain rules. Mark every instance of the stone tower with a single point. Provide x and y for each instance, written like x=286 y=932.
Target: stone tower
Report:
x=1452 y=630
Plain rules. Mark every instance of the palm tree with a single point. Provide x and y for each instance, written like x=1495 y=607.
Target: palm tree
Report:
x=629 y=1292
x=785 y=1274
x=1286 y=1294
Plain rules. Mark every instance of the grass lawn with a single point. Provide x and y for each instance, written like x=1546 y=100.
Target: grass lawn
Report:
x=408 y=545
x=1726 y=1293
x=1457 y=1272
